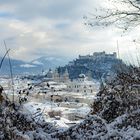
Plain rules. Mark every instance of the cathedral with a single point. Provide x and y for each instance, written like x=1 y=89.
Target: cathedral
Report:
x=56 y=77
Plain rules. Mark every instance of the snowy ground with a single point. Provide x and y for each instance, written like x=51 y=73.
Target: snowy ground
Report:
x=63 y=122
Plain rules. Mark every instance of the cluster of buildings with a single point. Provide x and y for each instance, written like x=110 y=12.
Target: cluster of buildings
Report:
x=82 y=84
x=99 y=55
x=56 y=77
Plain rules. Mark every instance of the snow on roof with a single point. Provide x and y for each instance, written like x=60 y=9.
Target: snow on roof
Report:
x=81 y=76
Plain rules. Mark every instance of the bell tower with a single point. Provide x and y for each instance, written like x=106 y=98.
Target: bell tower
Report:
x=66 y=76
x=56 y=76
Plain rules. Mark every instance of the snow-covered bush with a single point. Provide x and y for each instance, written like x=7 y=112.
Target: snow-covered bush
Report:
x=121 y=95
x=18 y=125
x=92 y=127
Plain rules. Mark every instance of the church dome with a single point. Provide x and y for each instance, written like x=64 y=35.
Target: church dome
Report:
x=82 y=76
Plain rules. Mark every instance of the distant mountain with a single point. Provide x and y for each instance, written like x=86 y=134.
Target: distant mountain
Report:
x=49 y=62
x=15 y=66
x=33 y=67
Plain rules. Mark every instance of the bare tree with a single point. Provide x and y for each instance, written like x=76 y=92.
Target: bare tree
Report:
x=123 y=13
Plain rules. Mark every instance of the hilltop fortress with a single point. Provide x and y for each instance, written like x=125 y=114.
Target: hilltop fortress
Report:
x=99 y=55
x=95 y=66
x=95 y=56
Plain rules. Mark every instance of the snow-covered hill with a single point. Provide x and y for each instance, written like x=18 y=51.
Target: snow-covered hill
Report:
x=49 y=62
x=35 y=66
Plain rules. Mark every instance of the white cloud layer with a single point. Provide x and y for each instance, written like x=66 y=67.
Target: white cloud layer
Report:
x=56 y=28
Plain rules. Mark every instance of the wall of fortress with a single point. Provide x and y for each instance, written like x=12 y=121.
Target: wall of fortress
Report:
x=99 y=55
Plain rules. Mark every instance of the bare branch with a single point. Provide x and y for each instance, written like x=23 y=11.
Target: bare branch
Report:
x=126 y=16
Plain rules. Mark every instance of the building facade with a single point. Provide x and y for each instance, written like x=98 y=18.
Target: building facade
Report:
x=82 y=85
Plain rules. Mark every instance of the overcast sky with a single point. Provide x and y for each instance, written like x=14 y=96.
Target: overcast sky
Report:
x=55 y=28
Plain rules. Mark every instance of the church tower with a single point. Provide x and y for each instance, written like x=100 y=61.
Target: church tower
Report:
x=56 y=76
x=66 y=76
x=50 y=74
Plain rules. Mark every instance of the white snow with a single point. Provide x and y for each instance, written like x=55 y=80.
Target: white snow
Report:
x=27 y=66
x=37 y=63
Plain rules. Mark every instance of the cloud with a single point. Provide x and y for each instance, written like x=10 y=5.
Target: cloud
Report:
x=55 y=28
x=52 y=9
